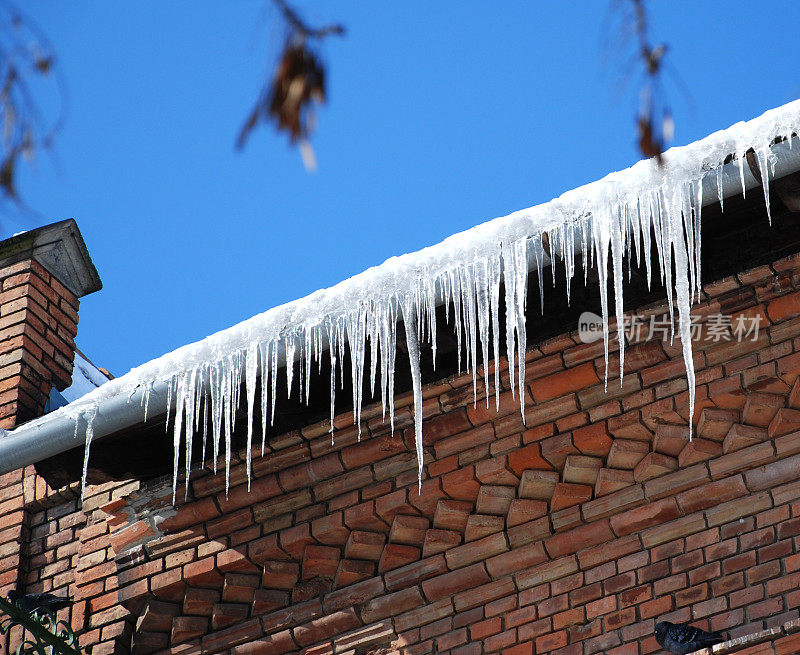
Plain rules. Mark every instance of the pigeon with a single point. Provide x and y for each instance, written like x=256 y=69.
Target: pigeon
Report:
x=32 y=602
x=682 y=638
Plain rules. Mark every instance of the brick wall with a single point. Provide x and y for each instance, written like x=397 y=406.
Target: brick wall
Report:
x=569 y=534
x=38 y=325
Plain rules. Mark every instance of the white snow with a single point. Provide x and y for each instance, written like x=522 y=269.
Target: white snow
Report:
x=608 y=219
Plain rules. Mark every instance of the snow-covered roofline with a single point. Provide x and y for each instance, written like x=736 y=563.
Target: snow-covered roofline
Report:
x=610 y=218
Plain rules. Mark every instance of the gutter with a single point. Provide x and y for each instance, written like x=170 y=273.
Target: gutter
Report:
x=54 y=434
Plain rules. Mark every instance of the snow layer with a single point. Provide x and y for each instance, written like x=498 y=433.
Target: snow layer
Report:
x=610 y=219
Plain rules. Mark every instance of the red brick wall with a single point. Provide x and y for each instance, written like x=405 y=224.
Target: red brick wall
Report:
x=571 y=534
x=38 y=324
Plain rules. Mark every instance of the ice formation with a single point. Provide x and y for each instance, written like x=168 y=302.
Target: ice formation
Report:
x=607 y=220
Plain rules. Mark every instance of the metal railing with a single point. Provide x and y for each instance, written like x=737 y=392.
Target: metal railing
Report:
x=43 y=634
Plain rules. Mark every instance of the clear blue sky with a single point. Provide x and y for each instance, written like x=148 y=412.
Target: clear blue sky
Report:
x=441 y=115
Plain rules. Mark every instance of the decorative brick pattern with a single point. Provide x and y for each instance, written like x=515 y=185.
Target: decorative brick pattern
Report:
x=571 y=534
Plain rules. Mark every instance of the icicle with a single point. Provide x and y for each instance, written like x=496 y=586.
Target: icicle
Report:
x=416 y=381
x=189 y=404
x=762 y=156
x=88 y=416
x=626 y=214
x=180 y=401
x=250 y=385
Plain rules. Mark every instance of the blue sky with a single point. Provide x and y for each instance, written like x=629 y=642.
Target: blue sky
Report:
x=442 y=115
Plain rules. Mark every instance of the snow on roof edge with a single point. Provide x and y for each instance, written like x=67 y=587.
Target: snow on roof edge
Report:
x=613 y=216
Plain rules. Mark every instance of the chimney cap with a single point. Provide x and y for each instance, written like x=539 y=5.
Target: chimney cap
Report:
x=59 y=248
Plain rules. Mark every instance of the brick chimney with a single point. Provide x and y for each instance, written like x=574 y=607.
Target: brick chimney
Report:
x=43 y=273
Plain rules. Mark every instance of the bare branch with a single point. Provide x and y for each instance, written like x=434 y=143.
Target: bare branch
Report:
x=298 y=84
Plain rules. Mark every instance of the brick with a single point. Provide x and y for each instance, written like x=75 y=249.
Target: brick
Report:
x=264 y=549
x=629 y=426
x=564 y=382
x=626 y=454
x=268 y=600
x=670 y=438
x=281 y=575
x=295 y=539
x=185 y=628
x=130 y=536
x=491 y=598
x=330 y=529
x=239 y=587
x=157 y=616
x=372 y=450
x=655 y=513
x=516 y=560
x=397 y=555
x=225 y=614
x=566 y=495
x=527 y=458
x=391 y=605
x=523 y=510
x=741 y=436
x=461 y=484
x=283 y=504
x=673 y=530
x=437 y=541
x=592 y=440
x=494 y=499
x=783 y=307
x=580 y=469
x=734 y=509
x=450 y=583
x=538 y=484
x=747 y=458
x=674 y=483
x=354 y=595
x=492 y=471
x=788 y=444
x=609 y=551
x=191 y=514
x=475 y=551
x=584 y=536
x=654 y=465
x=479 y=526
x=409 y=530
x=307 y=590
x=546 y=572
x=698 y=450
x=452 y=515
x=325 y=627
x=773 y=474
x=613 y=503
x=715 y=422
x=350 y=571
x=445 y=425
x=341 y=484
x=363 y=517
x=786 y=420
x=202 y=573
x=551 y=410
x=760 y=408
x=556 y=449
x=525 y=533
x=610 y=480
x=319 y=561
x=709 y=495
x=364 y=545
x=459 y=443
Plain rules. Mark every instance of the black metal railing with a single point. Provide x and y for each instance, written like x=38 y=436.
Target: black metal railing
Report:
x=43 y=634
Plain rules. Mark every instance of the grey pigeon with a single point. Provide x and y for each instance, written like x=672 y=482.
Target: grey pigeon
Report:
x=31 y=602
x=682 y=638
